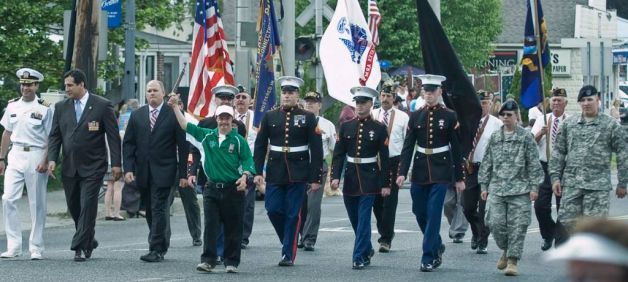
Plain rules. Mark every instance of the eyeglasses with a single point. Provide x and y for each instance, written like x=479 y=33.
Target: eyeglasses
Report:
x=240 y=96
x=505 y=114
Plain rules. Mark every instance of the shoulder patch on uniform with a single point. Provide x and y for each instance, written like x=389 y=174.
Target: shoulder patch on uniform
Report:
x=43 y=102
x=14 y=100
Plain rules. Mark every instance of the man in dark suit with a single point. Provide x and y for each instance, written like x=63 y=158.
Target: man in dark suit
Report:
x=80 y=123
x=151 y=143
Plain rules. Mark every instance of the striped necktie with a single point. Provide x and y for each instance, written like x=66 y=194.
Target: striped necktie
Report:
x=385 y=119
x=555 y=129
x=153 y=118
x=241 y=117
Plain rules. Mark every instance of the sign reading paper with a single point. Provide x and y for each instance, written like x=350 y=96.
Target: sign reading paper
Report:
x=114 y=12
x=561 y=62
x=347 y=52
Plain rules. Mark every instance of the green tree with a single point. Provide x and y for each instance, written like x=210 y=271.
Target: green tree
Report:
x=157 y=13
x=469 y=33
x=25 y=29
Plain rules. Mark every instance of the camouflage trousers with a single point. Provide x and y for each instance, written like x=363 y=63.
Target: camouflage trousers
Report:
x=576 y=203
x=508 y=218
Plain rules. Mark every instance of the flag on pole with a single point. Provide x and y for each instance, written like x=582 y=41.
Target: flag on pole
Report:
x=374 y=19
x=347 y=52
x=210 y=63
x=439 y=57
x=267 y=45
x=531 y=92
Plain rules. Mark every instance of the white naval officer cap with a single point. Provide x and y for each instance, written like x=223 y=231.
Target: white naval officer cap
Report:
x=28 y=75
x=363 y=93
x=290 y=83
x=431 y=81
x=224 y=109
x=227 y=91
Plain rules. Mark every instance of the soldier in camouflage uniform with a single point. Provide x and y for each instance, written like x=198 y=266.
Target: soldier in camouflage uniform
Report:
x=581 y=159
x=510 y=173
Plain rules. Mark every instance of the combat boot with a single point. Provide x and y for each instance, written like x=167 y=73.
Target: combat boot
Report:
x=511 y=269
x=502 y=262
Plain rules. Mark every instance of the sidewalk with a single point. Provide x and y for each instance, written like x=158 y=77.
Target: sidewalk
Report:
x=57 y=211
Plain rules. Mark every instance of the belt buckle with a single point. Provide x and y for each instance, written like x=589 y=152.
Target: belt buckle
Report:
x=26 y=148
x=285 y=149
x=357 y=160
x=429 y=151
x=219 y=185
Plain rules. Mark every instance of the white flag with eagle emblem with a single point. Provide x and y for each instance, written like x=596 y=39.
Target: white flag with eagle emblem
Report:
x=347 y=52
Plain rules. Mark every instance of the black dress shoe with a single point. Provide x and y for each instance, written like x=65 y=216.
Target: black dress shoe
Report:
x=482 y=250
x=109 y=217
x=197 y=242
x=285 y=262
x=308 y=248
x=243 y=245
x=88 y=252
x=474 y=243
x=78 y=256
x=426 y=267
x=547 y=244
x=152 y=256
x=300 y=245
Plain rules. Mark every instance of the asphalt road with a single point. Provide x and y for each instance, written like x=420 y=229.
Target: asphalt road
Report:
x=122 y=243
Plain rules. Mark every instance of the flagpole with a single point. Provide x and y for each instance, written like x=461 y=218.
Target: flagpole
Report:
x=537 y=35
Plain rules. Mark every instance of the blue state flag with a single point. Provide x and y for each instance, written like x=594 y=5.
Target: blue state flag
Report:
x=531 y=92
x=267 y=45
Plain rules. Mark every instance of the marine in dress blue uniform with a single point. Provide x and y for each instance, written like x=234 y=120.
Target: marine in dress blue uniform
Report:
x=437 y=161
x=295 y=158
x=363 y=144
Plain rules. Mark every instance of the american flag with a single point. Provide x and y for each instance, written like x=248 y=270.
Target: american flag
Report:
x=210 y=63
x=374 y=18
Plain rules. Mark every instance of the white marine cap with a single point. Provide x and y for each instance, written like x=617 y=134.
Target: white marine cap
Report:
x=224 y=109
x=432 y=79
x=363 y=92
x=28 y=75
x=225 y=90
x=592 y=248
x=290 y=83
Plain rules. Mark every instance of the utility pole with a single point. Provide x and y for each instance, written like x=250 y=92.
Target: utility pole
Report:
x=287 y=37
x=128 y=83
x=318 y=15
x=86 y=43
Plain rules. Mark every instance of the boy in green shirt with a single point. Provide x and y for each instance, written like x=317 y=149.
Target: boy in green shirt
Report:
x=227 y=162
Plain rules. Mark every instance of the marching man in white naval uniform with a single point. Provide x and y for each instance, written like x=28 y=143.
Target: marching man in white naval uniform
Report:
x=26 y=122
x=385 y=208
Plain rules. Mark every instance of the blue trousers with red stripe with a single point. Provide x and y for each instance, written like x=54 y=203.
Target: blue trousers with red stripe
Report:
x=427 y=206
x=359 y=210
x=283 y=204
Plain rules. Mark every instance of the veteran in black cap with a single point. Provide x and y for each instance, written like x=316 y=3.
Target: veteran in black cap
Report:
x=360 y=142
x=432 y=140
x=545 y=132
x=580 y=164
x=291 y=139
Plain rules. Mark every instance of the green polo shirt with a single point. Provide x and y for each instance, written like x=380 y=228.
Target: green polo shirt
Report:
x=227 y=161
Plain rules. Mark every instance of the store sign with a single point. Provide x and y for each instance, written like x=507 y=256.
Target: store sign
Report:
x=620 y=57
x=502 y=59
x=114 y=12
x=561 y=62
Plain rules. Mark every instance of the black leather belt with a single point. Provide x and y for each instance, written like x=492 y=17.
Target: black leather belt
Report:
x=219 y=185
